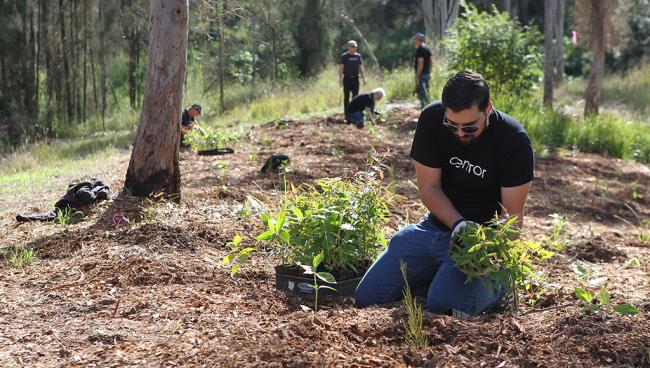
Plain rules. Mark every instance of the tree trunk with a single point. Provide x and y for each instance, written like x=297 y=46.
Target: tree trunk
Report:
x=592 y=94
x=254 y=47
x=154 y=161
x=523 y=11
x=549 y=13
x=559 y=41
x=85 y=62
x=67 y=96
x=221 y=25
x=427 y=14
x=102 y=64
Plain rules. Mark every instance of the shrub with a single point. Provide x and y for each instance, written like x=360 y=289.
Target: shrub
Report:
x=205 y=139
x=340 y=217
x=496 y=251
x=501 y=49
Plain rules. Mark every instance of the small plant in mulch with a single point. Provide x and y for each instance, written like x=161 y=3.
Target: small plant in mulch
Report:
x=67 y=216
x=237 y=255
x=324 y=276
x=496 y=254
x=557 y=239
x=18 y=256
x=592 y=292
x=414 y=334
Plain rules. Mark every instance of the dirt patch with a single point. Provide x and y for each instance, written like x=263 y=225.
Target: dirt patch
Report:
x=155 y=293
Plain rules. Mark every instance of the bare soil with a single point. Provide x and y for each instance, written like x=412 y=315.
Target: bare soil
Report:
x=154 y=292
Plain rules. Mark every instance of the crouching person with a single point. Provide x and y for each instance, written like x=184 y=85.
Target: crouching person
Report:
x=469 y=159
x=361 y=102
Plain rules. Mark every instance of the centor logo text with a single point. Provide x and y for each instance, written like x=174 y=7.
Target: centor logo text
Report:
x=467 y=166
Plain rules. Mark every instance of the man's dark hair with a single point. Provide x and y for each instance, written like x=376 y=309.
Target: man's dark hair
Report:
x=465 y=89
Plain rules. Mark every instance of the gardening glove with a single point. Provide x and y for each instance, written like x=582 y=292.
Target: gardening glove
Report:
x=458 y=227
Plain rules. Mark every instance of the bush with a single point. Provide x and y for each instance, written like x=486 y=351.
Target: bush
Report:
x=340 y=217
x=501 y=49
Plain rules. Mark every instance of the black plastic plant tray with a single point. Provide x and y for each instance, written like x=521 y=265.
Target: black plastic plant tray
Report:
x=291 y=279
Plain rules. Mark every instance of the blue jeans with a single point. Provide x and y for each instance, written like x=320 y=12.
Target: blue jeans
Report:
x=430 y=273
x=423 y=89
x=354 y=117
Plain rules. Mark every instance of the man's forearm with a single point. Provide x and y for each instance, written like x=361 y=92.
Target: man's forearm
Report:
x=440 y=206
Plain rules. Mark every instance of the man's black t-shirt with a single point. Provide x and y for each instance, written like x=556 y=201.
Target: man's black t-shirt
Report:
x=351 y=63
x=423 y=52
x=361 y=101
x=472 y=175
x=186 y=119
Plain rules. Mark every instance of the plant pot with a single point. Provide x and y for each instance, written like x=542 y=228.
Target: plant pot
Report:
x=291 y=278
x=215 y=152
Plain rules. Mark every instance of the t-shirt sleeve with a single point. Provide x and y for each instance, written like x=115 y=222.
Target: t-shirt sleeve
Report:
x=519 y=161
x=419 y=53
x=342 y=59
x=424 y=149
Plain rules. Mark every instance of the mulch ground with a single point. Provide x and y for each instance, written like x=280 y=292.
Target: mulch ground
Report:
x=154 y=292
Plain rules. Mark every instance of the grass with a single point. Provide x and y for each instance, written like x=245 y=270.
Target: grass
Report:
x=19 y=257
x=414 y=334
x=630 y=90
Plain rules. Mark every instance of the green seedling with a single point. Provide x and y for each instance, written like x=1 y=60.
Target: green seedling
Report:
x=19 y=257
x=237 y=256
x=324 y=276
x=152 y=207
x=631 y=263
x=635 y=193
x=496 y=255
x=592 y=292
x=67 y=216
x=557 y=240
x=251 y=207
x=413 y=334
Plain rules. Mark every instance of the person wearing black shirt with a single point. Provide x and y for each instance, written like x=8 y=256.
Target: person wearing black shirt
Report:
x=472 y=162
x=362 y=102
x=188 y=121
x=422 y=67
x=350 y=66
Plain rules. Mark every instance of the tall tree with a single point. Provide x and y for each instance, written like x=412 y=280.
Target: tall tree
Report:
x=439 y=16
x=559 y=41
x=600 y=32
x=549 y=15
x=154 y=160
x=312 y=37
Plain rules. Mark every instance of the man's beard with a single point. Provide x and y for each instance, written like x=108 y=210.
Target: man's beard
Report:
x=467 y=140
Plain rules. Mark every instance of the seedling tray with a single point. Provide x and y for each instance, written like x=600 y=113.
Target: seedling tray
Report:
x=291 y=279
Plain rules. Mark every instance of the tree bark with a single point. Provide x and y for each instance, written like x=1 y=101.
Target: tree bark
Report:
x=67 y=97
x=592 y=94
x=222 y=44
x=102 y=64
x=523 y=11
x=549 y=13
x=154 y=161
x=559 y=41
x=427 y=14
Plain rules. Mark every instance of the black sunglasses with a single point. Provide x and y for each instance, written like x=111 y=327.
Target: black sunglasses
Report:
x=467 y=128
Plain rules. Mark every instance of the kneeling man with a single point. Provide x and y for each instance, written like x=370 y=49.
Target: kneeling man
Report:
x=364 y=101
x=470 y=159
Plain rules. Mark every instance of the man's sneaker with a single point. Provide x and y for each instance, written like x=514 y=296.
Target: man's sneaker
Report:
x=459 y=314
x=360 y=124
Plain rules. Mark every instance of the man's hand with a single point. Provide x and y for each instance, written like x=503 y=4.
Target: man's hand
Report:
x=458 y=228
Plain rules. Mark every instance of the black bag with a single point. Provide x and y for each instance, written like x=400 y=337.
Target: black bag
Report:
x=275 y=163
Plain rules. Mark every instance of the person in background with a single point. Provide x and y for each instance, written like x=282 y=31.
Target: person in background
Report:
x=362 y=102
x=188 y=122
x=422 y=69
x=350 y=67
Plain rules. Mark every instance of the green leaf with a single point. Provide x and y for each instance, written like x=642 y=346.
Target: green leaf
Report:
x=234 y=269
x=284 y=235
x=246 y=250
x=632 y=262
x=317 y=260
x=266 y=236
x=228 y=258
x=626 y=309
x=281 y=218
x=236 y=240
x=603 y=297
x=243 y=258
x=583 y=295
x=265 y=217
x=326 y=276
x=297 y=212
x=347 y=227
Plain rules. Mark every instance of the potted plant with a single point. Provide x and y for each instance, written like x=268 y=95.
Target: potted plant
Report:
x=340 y=218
